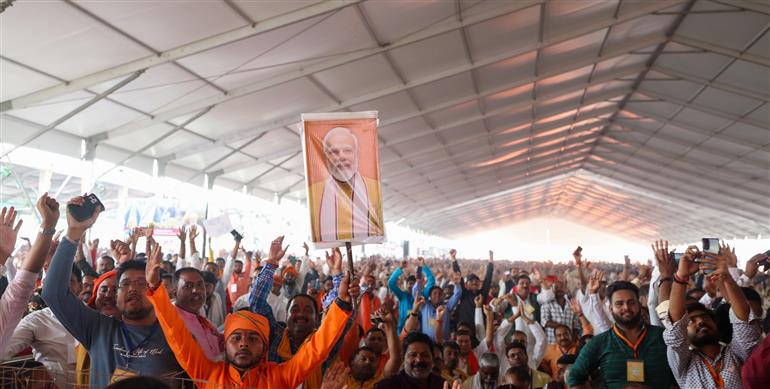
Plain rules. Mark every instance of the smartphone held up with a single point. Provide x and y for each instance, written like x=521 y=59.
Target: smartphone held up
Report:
x=86 y=210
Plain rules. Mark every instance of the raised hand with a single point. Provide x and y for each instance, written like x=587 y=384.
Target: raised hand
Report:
x=687 y=264
x=440 y=312
x=732 y=259
x=182 y=234
x=453 y=254
x=491 y=255
x=479 y=301
x=335 y=376
x=193 y=231
x=752 y=266
x=418 y=303
x=456 y=384
x=577 y=254
x=136 y=232
x=421 y=261
x=121 y=251
x=307 y=248
x=277 y=251
x=576 y=306
x=152 y=270
x=151 y=230
x=8 y=233
x=348 y=288
x=76 y=227
x=49 y=211
x=663 y=258
x=595 y=282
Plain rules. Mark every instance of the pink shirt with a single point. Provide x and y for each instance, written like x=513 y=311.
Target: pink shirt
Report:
x=207 y=336
x=13 y=304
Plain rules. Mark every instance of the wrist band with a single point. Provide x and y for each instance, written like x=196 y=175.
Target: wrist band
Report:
x=665 y=279
x=680 y=280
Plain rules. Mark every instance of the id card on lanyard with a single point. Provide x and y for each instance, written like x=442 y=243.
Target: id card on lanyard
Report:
x=124 y=372
x=635 y=366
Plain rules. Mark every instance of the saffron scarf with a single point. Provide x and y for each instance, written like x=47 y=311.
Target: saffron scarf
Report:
x=314 y=379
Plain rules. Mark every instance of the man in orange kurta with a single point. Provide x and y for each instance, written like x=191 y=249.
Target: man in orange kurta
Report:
x=246 y=338
x=565 y=344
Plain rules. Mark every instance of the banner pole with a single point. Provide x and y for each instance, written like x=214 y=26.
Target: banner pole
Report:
x=349 y=250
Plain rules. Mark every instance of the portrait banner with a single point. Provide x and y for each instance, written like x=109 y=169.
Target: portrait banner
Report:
x=342 y=174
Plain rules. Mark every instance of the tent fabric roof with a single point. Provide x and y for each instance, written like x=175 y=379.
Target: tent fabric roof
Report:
x=646 y=119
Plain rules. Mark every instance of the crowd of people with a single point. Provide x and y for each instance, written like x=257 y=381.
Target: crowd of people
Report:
x=74 y=315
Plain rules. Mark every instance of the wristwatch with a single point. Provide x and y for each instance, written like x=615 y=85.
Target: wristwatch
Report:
x=46 y=231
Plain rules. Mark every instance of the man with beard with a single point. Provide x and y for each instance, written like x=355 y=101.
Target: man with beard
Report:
x=557 y=313
x=371 y=366
x=246 y=340
x=87 y=286
x=693 y=325
x=489 y=371
x=516 y=356
x=630 y=352
x=303 y=313
x=565 y=344
x=471 y=287
x=451 y=371
x=418 y=366
x=190 y=296
x=118 y=349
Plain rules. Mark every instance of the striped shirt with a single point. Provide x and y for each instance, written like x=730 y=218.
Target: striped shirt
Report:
x=688 y=365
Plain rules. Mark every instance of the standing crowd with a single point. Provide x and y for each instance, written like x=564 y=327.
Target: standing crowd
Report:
x=75 y=316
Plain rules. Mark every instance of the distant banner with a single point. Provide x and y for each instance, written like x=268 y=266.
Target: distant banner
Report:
x=342 y=170
x=217 y=226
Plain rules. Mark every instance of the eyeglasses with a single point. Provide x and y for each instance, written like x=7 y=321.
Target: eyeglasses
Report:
x=137 y=284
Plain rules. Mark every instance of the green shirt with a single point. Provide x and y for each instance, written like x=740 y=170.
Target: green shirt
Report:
x=608 y=353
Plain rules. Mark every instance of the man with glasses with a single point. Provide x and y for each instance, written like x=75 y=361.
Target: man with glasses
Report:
x=118 y=349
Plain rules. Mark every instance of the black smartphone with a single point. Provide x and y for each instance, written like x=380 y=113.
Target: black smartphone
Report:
x=677 y=257
x=236 y=235
x=87 y=209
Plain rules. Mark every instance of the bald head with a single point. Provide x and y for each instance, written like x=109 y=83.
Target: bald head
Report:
x=341 y=151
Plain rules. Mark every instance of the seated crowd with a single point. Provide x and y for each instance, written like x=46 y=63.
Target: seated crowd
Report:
x=121 y=319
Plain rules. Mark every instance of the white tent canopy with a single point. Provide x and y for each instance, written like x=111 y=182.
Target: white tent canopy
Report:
x=644 y=118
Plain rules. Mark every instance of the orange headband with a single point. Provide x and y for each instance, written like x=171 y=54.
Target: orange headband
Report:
x=245 y=320
x=97 y=283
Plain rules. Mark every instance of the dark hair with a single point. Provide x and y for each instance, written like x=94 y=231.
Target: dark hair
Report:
x=514 y=345
x=209 y=277
x=145 y=382
x=452 y=345
x=76 y=272
x=417 y=337
x=238 y=261
x=694 y=307
x=411 y=279
x=220 y=259
x=520 y=372
x=108 y=257
x=315 y=304
x=360 y=350
x=434 y=287
x=179 y=272
x=130 y=265
x=522 y=276
x=567 y=359
x=621 y=285
x=375 y=329
x=694 y=290
x=472 y=277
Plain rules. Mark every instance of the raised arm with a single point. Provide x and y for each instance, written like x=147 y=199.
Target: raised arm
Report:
x=488 y=276
x=182 y=235
x=667 y=267
x=186 y=349
x=292 y=372
x=431 y=279
x=78 y=319
x=192 y=235
x=687 y=267
x=577 y=255
x=394 y=345
x=261 y=288
x=393 y=283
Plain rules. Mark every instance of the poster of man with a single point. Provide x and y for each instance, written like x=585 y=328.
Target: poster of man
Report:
x=342 y=173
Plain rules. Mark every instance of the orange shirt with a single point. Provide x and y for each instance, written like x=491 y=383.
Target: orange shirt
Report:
x=216 y=375
x=366 y=308
x=238 y=285
x=552 y=354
